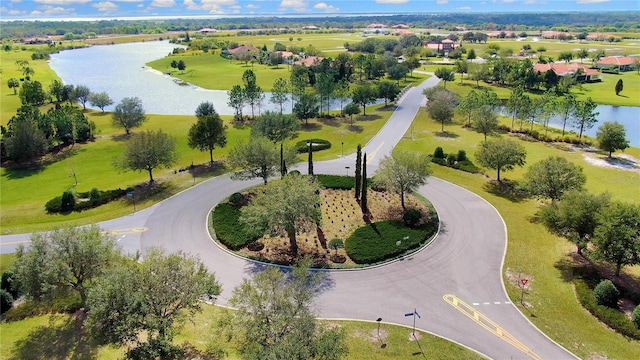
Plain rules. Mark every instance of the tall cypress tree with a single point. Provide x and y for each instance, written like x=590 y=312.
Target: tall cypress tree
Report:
x=310 y=159
x=283 y=166
x=358 y=171
x=363 y=199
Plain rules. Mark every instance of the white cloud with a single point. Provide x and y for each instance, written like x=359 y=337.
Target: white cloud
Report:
x=464 y=8
x=442 y=2
x=163 y=3
x=4 y=10
x=253 y=6
x=296 y=5
x=191 y=5
x=105 y=6
x=129 y=1
x=51 y=10
x=61 y=2
x=324 y=7
x=591 y=1
x=392 y=1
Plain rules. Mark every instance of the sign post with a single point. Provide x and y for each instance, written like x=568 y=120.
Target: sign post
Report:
x=132 y=195
x=414 y=314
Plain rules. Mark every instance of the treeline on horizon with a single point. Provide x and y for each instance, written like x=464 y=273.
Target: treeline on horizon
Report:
x=570 y=21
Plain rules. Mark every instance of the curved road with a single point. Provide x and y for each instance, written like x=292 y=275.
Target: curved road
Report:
x=455 y=284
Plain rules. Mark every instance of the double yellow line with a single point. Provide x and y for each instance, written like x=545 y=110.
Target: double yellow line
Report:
x=488 y=324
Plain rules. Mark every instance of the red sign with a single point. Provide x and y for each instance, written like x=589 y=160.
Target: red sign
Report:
x=524 y=282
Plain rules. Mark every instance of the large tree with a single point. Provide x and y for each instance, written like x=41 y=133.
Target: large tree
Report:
x=61 y=260
x=209 y=130
x=237 y=100
x=574 y=217
x=552 y=177
x=441 y=105
x=611 y=137
x=101 y=100
x=32 y=93
x=306 y=107
x=284 y=207
x=388 y=91
x=277 y=127
x=501 y=155
x=147 y=151
x=14 y=84
x=585 y=115
x=617 y=236
x=566 y=110
x=363 y=95
x=403 y=172
x=258 y=158
x=25 y=140
x=152 y=298
x=280 y=92
x=469 y=104
x=82 y=94
x=253 y=94
x=275 y=320
x=485 y=121
x=445 y=74
x=129 y=114
x=325 y=86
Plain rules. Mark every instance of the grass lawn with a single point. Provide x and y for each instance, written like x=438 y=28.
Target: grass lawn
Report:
x=55 y=337
x=540 y=255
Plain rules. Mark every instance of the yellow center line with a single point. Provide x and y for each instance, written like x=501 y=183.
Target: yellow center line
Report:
x=15 y=242
x=488 y=324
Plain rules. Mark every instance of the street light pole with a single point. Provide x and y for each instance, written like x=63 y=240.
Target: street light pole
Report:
x=343 y=149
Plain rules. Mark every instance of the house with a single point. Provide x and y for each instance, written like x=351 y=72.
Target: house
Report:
x=400 y=26
x=287 y=57
x=403 y=32
x=377 y=26
x=554 y=34
x=443 y=47
x=309 y=61
x=596 y=36
x=207 y=31
x=580 y=72
x=310 y=27
x=620 y=63
x=496 y=34
x=244 y=48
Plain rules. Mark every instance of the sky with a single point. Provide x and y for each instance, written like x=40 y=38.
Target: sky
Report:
x=86 y=9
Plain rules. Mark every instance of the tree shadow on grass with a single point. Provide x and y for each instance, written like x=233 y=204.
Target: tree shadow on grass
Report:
x=120 y=137
x=331 y=121
x=60 y=339
x=311 y=127
x=390 y=107
x=446 y=134
x=19 y=172
x=355 y=128
x=506 y=189
x=368 y=117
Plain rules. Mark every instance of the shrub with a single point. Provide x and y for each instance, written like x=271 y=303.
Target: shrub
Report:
x=606 y=293
x=462 y=155
x=302 y=146
x=229 y=230
x=294 y=172
x=412 y=217
x=467 y=166
x=636 y=316
x=94 y=196
x=385 y=240
x=255 y=246
x=236 y=198
x=54 y=205
x=451 y=159
x=6 y=301
x=504 y=128
x=438 y=153
x=340 y=182
x=336 y=244
x=8 y=284
x=68 y=201
x=439 y=161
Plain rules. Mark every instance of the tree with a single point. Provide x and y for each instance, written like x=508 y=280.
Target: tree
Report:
x=209 y=130
x=619 y=87
x=258 y=158
x=552 y=177
x=285 y=207
x=277 y=127
x=14 y=84
x=310 y=159
x=585 y=115
x=61 y=260
x=582 y=54
x=566 y=110
x=397 y=72
x=617 y=236
x=129 y=114
x=471 y=54
x=548 y=106
x=445 y=74
x=24 y=140
x=101 y=100
x=352 y=109
x=611 y=137
x=147 y=151
x=325 y=86
x=574 y=217
x=412 y=63
x=566 y=56
x=342 y=93
x=441 y=105
x=403 y=172
x=253 y=94
x=32 y=93
x=364 y=187
x=154 y=297
x=237 y=100
x=462 y=67
x=82 y=94
x=181 y=65
x=274 y=318
x=501 y=155
x=470 y=104
x=56 y=90
x=363 y=95
x=478 y=72
x=388 y=91
x=306 y=107
x=517 y=104
x=279 y=92
x=27 y=71
x=486 y=121
x=358 y=171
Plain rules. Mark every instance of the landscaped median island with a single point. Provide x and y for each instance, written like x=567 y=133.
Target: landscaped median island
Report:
x=344 y=238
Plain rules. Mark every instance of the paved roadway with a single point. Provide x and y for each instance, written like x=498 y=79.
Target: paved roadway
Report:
x=455 y=283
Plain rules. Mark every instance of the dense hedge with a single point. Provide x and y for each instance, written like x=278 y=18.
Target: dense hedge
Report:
x=385 y=240
x=302 y=146
x=229 y=230
x=614 y=318
x=85 y=200
x=457 y=161
x=340 y=182
x=60 y=304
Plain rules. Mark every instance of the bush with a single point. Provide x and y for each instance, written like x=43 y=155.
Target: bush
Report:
x=8 y=284
x=156 y=349
x=302 y=146
x=340 y=182
x=68 y=201
x=412 y=217
x=504 y=128
x=61 y=304
x=54 y=205
x=636 y=316
x=94 y=196
x=6 y=301
x=255 y=246
x=606 y=294
x=462 y=155
x=236 y=198
x=467 y=166
x=336 y=244
x=385 y=240
x=229 y=230
x=438 y=153
x=451 y=159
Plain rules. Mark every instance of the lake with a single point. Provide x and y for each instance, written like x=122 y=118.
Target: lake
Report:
x=120 y=71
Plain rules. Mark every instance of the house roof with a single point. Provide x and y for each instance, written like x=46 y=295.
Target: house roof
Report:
x=242 y=48
x=285 y=54
x=616 y=60
x=377 y=26
x=403 y=32
x=309 y=61
x=400 y=26
x=447 y=41
x=549 y=34
x=562 y=69
x=207 y=30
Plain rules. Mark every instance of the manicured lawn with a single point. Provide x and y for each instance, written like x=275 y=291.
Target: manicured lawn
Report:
x=540 y=255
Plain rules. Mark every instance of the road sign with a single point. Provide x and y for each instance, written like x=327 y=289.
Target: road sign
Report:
x=409 y=314
x=524 y=282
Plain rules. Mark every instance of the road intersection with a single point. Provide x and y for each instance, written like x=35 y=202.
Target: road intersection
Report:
x=455 y=283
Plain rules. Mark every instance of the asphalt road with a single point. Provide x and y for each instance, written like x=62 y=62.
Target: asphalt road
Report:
x=455 y=283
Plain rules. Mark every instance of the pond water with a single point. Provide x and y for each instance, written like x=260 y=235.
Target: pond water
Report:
x=120 y=71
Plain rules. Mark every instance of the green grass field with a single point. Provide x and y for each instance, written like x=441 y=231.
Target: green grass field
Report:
x=540 y=255
x=55 y=336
